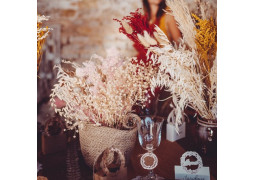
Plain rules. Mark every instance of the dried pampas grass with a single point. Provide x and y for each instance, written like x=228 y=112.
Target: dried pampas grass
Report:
x=146 y=40
x=182 y=15
x=178 y=74
x=189 y=71
x=161 y=37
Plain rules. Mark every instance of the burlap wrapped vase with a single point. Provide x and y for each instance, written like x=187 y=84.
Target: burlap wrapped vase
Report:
x=94 y=140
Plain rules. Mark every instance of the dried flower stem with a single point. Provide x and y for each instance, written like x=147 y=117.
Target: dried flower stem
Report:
x=102 y=93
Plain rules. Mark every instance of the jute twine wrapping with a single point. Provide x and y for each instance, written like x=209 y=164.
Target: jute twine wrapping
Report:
x=94 y=140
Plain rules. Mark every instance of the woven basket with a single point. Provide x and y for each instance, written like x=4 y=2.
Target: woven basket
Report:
x=94 y=140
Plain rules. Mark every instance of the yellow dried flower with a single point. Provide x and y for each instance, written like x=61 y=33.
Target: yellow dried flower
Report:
x=206 y=42
x=206 y=39
x=41 y=35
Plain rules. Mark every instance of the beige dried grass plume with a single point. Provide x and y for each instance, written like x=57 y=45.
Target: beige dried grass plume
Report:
x=126 y=26
x=181 y=13
x=160 y=36
x=180 y=69
x=178 y=74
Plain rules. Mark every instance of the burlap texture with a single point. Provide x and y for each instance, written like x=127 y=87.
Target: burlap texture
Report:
x=94 y=140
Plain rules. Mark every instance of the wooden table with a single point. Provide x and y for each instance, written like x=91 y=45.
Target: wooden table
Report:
x=168 y=153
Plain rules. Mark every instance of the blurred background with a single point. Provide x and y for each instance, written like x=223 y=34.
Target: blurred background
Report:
x=80 y=28
x=85 y=27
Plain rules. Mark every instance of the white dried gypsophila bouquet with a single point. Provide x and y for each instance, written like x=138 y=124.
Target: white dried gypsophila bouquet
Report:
x=189 y=71
x=101 y=91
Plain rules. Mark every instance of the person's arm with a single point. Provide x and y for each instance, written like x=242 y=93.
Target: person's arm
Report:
x=172 y=28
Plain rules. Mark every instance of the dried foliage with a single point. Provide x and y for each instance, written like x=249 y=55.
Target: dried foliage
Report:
x=206 y=9
x=178 y=74
x=189 y=71
x=134 y=26
x=101 y=91
x=42 y=33
x=185 y=22
x=206 y=41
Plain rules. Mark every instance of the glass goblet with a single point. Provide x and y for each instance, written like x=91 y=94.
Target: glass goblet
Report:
x=149 y=135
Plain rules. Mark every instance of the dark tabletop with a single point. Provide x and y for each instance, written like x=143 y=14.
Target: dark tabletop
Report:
x=69 y=163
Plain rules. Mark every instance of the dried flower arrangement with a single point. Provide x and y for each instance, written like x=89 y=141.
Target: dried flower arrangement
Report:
x=204 y=45
x=133 y=26
x=42 y=33
x=188 y=71
x=101 y=91
x=136 y=28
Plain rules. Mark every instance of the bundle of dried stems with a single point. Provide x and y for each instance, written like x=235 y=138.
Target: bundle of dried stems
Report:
x=101 y=91
x=42 y=33
x=188 y=71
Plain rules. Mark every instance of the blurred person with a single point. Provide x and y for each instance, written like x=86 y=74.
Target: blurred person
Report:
x=154 y=9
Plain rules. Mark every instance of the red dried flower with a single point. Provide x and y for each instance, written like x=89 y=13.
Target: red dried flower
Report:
x=139 y=24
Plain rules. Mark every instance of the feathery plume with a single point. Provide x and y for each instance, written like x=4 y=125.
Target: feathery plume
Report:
x=126 y=26
x=160 y=36
x=143 y=41
x=149 y=39
x=181 y=13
